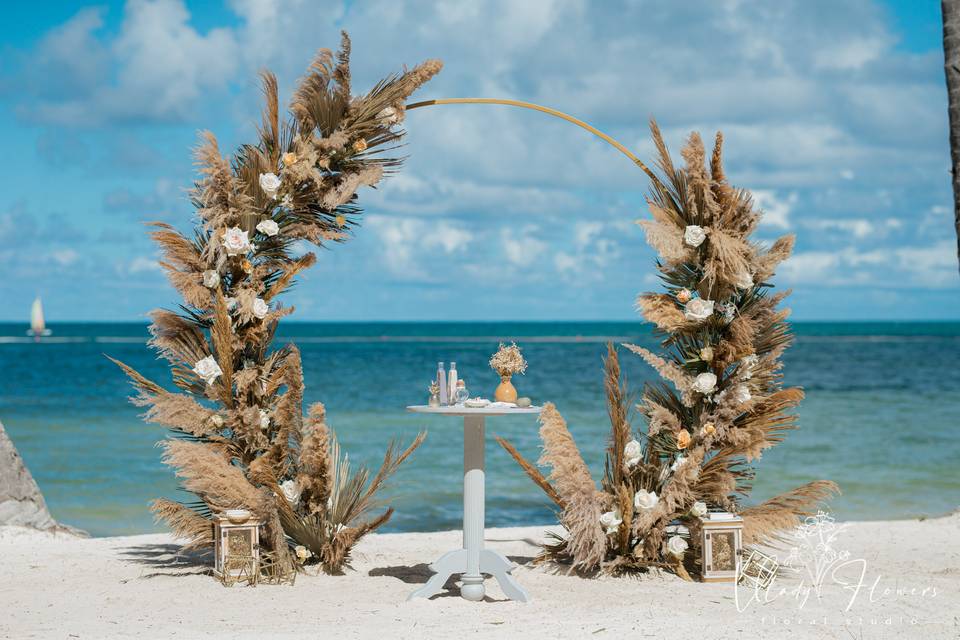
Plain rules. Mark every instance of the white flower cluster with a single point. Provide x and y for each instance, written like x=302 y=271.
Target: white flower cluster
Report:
x=270 y=183
x=236 y=241
x=698 y=309
x=208 y=369
x=694 y=235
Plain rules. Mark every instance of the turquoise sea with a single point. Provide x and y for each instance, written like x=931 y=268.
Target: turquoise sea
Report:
x=881 y=417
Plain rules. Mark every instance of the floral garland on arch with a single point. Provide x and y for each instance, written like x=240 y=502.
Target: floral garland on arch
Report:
x=240 y=439
x=721 y=401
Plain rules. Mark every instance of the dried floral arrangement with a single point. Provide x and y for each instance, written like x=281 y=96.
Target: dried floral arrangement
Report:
x=721 y=401
x=508 y=360
x=239 y=436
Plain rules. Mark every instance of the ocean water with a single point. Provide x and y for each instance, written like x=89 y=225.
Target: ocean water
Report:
x=880 y=418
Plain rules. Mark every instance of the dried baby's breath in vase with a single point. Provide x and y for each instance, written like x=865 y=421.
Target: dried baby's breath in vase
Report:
x=507 y=361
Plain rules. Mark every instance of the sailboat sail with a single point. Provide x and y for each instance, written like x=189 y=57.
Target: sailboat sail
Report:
x=38 y=326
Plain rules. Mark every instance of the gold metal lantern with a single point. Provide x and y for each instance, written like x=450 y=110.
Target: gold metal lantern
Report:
x=236 y=537
x=722 y=545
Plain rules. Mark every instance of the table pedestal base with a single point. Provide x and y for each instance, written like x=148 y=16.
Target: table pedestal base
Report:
x=473 y=560
x=455 y=562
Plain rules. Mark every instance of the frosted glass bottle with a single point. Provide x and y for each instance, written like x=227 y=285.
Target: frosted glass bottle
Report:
x=442 y=381
x=452 y=385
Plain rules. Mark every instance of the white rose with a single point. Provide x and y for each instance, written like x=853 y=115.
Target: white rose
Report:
x=270 y=184
x=632 y=453
x=260 y=308
x=268 y=228
x=741 y=393
x=743 y=280
x=705 y=383
x=698 y=309
x=676 y=546
x=217 y=420
x=699 y=509
x=236 y=241
x=694 y=235
x=645 y=500
x=302 y=552
x=611 y=520
x=291 y=491
x=264 y=420
x=211 y=279
x=208 y=369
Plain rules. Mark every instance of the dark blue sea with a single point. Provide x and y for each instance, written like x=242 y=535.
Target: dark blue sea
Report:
x=881 y=417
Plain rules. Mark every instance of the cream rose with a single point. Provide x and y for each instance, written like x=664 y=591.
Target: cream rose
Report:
x=208 y=369
x=694 y=235
x=611 y=520
x=741 y=394
x=684 y=296
x=291 y=491
x=676 y=546
x=747 y=365
x=302 y=553
x=236 y=241
x=632 y=453
x=705 y=383
x=268 y=227
x=260 y=308
x=270 y=184
x=211 y=279
x=699 y=509
x=706 y=354
x=698 y=309
x=645 y=500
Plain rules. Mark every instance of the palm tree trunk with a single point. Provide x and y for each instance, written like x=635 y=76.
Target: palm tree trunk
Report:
x=951 y=65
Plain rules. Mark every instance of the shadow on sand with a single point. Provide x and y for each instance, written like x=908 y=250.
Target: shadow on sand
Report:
x=169 y=560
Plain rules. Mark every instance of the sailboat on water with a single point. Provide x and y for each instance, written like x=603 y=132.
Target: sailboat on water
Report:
x=38 y=327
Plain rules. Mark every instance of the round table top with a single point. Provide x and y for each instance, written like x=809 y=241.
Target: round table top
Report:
x=460 y=410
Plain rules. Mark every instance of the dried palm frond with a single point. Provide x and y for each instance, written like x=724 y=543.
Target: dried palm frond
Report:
x=571 y=478
x=704 y=432
x=767 y=522
x=298 y=182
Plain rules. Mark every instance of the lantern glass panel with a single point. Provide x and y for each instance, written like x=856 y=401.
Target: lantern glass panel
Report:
x=724 y=551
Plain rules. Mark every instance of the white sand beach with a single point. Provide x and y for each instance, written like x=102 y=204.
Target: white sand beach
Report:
x=58 y=586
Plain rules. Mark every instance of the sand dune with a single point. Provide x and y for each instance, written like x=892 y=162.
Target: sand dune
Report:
x=58 y=586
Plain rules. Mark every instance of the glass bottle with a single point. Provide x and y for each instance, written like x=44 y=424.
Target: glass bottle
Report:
x=452 y=385
x=442 y=381
x=462 y=393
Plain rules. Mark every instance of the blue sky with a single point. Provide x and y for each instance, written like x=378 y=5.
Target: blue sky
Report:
x=834 y=115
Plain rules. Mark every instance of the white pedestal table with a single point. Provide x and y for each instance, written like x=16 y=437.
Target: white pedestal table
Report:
x=472 y=561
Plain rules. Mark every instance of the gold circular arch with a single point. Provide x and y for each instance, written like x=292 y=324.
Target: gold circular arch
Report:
x=536 y=107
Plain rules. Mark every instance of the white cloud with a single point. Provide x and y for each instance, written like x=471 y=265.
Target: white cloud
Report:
x=406 y=242
x=521 y=245
x=924 y=267
x=143 y=264
x=64 y=257
x=776 y=209
x=157 y=68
